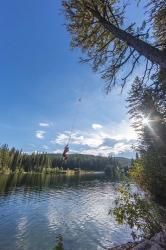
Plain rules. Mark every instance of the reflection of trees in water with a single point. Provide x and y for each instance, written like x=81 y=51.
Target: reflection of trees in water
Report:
x=59 y=245
x=37 y=182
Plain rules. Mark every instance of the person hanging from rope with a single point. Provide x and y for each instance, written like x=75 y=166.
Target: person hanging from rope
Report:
x=65 y=151
x=66 y=148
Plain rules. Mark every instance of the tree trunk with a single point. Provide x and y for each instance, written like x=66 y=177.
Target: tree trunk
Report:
x=150 y=52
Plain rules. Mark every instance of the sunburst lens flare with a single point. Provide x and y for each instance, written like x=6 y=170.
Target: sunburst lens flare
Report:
x=145 y=121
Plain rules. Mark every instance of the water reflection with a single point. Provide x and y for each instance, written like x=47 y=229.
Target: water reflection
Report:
x=34 y=209
x=41 y=181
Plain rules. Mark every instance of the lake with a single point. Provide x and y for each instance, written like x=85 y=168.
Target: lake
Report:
x=35 y=209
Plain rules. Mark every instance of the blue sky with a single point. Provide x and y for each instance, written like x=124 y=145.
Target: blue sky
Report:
x=41 y=81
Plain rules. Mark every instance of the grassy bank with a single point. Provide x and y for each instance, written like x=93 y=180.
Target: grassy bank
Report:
x=55 y=171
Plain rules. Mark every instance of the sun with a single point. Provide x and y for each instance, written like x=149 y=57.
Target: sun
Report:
x=145 y=121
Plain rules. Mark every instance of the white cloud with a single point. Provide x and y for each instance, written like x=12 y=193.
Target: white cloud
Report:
x=61 y=138
x=96 y=126
x=40 y=134
x=116 y=131
x=115 y=138
x=58 y=151
x=123 y=131
x=79 y=138
x=44 y=124
x=106 y=150
x=121 y=147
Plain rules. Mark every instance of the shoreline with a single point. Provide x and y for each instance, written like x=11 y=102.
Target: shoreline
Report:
x=158 y=241
x=63 y=172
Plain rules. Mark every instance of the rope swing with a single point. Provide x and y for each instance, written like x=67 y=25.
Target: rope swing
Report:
x=66 y=148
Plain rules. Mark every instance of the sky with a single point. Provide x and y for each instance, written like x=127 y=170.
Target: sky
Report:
x=41 y=82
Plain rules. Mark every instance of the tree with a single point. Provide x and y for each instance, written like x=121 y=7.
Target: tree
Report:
x=137 y=156
x=98 y=28
x=138 y=212
x=4 y=156
x=147 y=110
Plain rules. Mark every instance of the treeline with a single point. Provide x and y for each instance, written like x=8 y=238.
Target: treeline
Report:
x=13 y=160
x=112 y=166
x=89 y=162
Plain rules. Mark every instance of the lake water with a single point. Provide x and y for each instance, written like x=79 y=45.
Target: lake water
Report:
x=35 y=209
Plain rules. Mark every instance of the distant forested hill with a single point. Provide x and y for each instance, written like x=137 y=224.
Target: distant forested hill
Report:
x=89 y=162
x=13 y=160
x=123 y=161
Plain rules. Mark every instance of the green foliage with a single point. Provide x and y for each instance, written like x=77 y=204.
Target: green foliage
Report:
x=59 y=245
x=139 y=213
x=89 y=34
x=137 y=172
x=51 y=170
x=97 y=27
x=88 y=162
x=149 y=103
x=159 y=27
x=12 y=160
x=115 y=170
x=150 y=174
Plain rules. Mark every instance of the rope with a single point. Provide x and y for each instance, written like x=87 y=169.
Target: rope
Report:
x=74 y=121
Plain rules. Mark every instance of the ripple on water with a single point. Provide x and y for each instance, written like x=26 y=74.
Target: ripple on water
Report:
x=32 y=216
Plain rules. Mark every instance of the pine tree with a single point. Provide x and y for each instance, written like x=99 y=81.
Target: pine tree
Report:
x=149 y=121
x=97 y=27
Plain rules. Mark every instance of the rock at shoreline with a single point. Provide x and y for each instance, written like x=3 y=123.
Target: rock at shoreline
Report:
x=157 y=242
x=127 y=246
